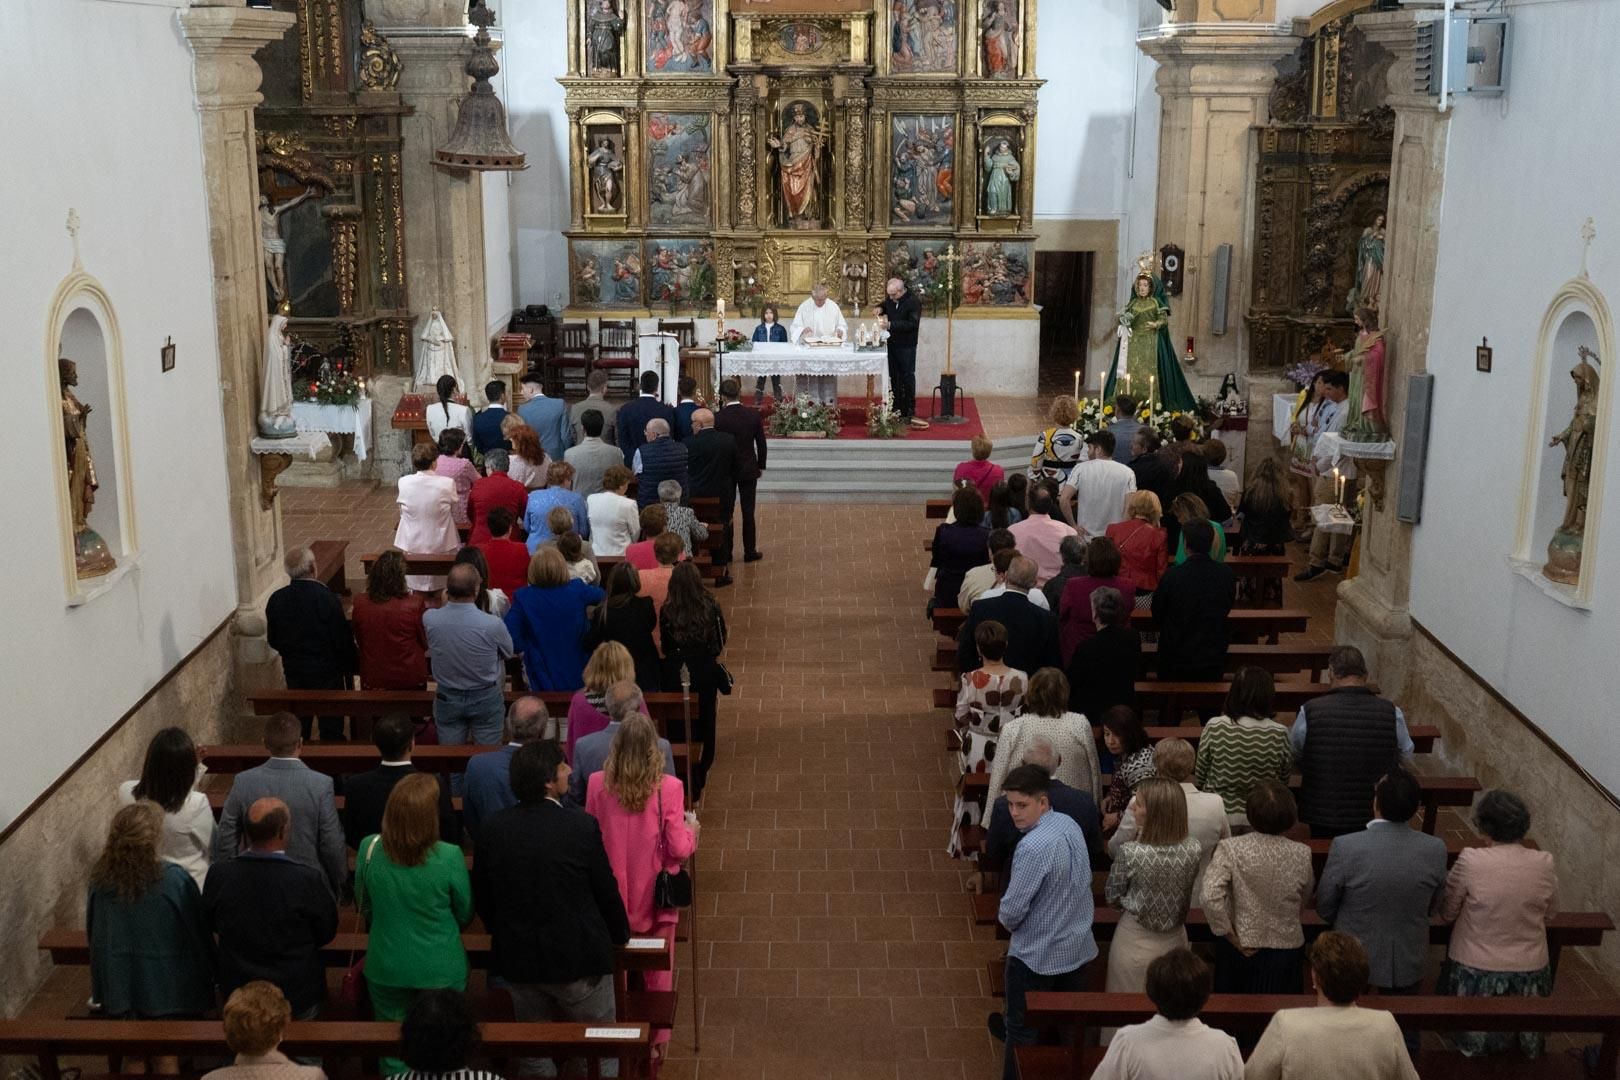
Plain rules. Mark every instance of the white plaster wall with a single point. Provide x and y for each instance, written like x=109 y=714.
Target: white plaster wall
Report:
x=1522 y=174
x=536 y=54
x=499 y=250
x=117 y=139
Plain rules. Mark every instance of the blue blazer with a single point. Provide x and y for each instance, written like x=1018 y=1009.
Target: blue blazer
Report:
x=773 y=332
x=486 y=432
x=549 y=418
x=548 y=630
x=683 y=419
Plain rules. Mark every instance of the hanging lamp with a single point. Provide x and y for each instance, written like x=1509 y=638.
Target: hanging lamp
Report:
x=480 y=141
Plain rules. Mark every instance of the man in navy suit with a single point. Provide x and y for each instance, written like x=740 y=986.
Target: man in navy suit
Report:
x=633 y=417
x=685 y=405
x=742 y=423
x=548 y=416
x=486 y=432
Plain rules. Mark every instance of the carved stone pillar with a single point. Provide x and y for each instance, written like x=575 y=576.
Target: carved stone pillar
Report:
x=444 y=208
x=223 y=42
x=1373 y=610
x=1213 y=82
x=855 y=155
x=746 y=156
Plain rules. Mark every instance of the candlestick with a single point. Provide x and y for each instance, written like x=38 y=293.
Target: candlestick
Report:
x=1077 y=386
x=1102 y=383
x=1152 y=383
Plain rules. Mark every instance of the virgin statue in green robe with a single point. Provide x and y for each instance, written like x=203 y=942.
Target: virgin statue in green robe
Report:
x=1146 y=359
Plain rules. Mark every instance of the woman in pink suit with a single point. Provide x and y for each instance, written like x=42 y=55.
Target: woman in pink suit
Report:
x=645 y=828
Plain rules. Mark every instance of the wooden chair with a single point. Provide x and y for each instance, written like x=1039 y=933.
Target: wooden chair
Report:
x=574 y=353
x=616 y=351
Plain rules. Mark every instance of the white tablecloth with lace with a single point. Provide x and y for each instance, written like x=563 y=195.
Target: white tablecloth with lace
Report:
x=312 y=416
x=785 y=358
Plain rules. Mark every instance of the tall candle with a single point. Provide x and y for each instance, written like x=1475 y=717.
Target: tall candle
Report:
x=720 y=307
x=1077 y=386
x=1152 y=383
x=1102 y=382
x=1127 y=378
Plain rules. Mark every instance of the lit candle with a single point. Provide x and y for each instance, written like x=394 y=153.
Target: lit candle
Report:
x=1337 y=489
x=1127 y=378
x=720 y=308
x=1077 y=386
x=1152 y=383
x=1102 y=383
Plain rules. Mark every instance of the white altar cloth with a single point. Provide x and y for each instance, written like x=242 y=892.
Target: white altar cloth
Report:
x=786 y=358
x=312 y=416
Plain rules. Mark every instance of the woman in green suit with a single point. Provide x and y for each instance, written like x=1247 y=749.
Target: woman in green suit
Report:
x=414 y=893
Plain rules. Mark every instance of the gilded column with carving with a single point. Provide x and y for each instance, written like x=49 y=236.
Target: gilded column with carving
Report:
x=746 y=97
x=855 y=175
x=578 y=150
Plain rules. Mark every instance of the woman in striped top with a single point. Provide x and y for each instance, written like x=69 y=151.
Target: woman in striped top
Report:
x=438 y=1036
x=1245 y=745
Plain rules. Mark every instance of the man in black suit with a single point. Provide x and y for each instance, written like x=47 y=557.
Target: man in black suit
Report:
x=901 y=315
x=1190 y=609
x=365 y=794
x=272 y=914
x=306 y=625
x=711 y=462
x=1001 y=836
x=486 y=432
x=632 y=419
x=743 y=424
x=544 y=889
x=1032 y=634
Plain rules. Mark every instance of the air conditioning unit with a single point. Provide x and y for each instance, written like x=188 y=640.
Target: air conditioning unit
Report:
x=1461 y=53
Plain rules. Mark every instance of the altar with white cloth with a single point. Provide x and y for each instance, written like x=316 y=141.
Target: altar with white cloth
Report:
x=785 y=358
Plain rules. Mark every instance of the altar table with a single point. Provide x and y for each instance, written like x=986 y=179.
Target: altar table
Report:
x=786 y=358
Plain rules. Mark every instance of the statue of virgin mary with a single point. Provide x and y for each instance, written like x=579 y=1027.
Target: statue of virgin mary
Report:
x=1146 y=358
x=438 y=354
x=276 y=395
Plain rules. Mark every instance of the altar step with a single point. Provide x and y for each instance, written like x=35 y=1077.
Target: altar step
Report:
x=873 y=470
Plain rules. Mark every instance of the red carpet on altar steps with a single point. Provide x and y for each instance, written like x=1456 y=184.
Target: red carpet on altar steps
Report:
x=852 y=411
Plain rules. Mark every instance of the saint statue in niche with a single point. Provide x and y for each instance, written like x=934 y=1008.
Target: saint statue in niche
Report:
x=90 y=555
x=605 y=167
x=998 y=37
x=1001 y=173
x=799 y=150
x=276 y=395
x=604 y=31
x=1369 y=267
x=1564 y=551
x=1366 y=367
x=275 y=245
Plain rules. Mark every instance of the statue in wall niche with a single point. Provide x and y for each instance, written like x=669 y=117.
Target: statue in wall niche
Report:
x=438 y=355
x=379 y=63
x=90 y=555
x=605 y=29
x=1369 y=267
x=799 y=149
x=1001 y=174
x=998 y=36
x=1366 y=367
x=605 y=169
x=276 y=395
x=275 y=245
x=1564 y=551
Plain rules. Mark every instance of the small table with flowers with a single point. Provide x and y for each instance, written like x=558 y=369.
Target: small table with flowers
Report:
x=355 y=419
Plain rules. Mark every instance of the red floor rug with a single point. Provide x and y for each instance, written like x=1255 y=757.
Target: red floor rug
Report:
x=852 y=411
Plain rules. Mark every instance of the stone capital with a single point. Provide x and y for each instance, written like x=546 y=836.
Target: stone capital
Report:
x=224 y=41
x=1396 y=33
x=1217 y=60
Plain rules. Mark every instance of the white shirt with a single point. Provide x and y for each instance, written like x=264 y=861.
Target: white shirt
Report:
x=187 y=833
x=460 y=417
x=615 y=522
x=1101 y=486
x=1034 y=596
x=826 y=321
x=1163 y=1049
x=1330 y=418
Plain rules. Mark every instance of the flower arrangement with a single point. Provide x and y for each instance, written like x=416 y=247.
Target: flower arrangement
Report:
x=1095 y=416
x=883 y=422
x=1302 y=373
x=736 y=341
x=802 y=416
x=336 y=388
x=326 y=378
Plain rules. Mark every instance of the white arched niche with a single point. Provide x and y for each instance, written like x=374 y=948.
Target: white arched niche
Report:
x=83 y=327
x=1577 y=317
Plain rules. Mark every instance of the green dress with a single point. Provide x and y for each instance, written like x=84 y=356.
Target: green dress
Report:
x=1150 y=357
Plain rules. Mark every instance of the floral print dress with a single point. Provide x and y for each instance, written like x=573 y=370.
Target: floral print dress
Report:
x=983 y=705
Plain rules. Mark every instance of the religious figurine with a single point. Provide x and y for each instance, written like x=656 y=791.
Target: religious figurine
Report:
x=605 y=167
x=1001 y=172
x=1369 y=267
x=998 y=35
x=275 y=245
x=1146 y=362
x=379 y=63
x=1564 y=551
x=799 y=149
x=606 y=26
x=1366 y=367
x=90 y=555
x=438 y=355
x=276 y=397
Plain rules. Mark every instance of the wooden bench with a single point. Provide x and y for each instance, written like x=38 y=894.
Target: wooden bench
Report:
x=1171 y=699
x=1250 y=1013
x=1423 y=735
x=663 y=707
x=439 y=565
x=1309 y=661
x=49 y=1040
x=1248 y=624
x=329 y=560
x=340 y=759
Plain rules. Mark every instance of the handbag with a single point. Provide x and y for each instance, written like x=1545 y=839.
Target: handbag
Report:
x=670 y=891
x=353 y=991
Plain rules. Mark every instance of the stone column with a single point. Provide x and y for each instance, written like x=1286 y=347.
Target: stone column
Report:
x=223 y=41
x=1373 y=611
x=444 y=208
x=1214 y=82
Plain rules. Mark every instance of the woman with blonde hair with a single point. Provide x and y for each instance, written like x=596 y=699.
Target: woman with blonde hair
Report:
x=1143 y=554
x=151 y=955
x=548 y=621
x=256 y=1016
x=646 y=831
x=528 y=463
x=414 y=894
x=1187 y=508
x=980 y=471
x=610 y=662
x=1059 y=448
x=1152 y=883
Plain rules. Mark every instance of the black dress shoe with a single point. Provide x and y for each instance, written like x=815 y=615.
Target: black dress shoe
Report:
x=997 y=1023
x=753 y=556
x=1310 y=573
x=722 y=581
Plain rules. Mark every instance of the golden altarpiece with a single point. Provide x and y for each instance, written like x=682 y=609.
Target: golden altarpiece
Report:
x=747 y=149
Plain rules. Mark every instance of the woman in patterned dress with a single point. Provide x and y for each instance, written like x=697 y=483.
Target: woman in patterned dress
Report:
x=1059 y=448
x=1152 y=883
x=990 y=697
x=1132 y=757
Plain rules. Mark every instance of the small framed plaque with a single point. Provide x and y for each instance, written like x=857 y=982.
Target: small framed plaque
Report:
x=168 y=355
x=1482 y=356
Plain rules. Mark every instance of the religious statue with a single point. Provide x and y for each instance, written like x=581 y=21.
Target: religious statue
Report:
x=606 y=27
x=1369 y=267
x=379 y=63
x=998 y=37
x=799 y=150
x=275 y=245
x=1366 y=367
x=1564 y=551
x=438 y=355
x=276 y=397
x=605 y=169
x=1146 y=364
x=1001 y=172
x=90 y=555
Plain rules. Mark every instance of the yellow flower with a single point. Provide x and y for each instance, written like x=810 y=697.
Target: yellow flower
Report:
x=1108 y=410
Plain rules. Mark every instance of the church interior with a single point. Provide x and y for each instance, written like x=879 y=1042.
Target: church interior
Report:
x=1228 y=211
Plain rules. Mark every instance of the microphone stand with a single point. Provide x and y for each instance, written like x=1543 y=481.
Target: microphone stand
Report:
x=691 y=923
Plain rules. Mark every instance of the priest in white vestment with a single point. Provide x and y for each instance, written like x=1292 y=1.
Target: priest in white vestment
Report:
x=819 y=317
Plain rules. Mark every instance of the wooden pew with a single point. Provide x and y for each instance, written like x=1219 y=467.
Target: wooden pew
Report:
x=49 y=1040
x=1309 y=661
x=1248 y=624
x=1252 y=1012
x=1423 y=735
x=329 y=560
x=1174 y=698
x=937 y=509
x=662 y=707
x=340 y=759
x=439 y=565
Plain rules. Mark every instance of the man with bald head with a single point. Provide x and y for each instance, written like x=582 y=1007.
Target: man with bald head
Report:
x=272 y=914
x=900 y=314
x=660 y=458
x=1001 y=836
x=488 y=787
x=819 y=319
x=711 y=460
x=469 y=650
x=622 y=700
x=1032 y=633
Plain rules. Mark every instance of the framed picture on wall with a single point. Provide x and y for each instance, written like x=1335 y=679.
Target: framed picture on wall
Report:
x=167 y=353
x=1482 y=356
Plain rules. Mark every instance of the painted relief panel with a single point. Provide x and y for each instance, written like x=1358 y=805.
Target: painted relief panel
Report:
x=1000 y=39
x=679 y=149
x=680 y=271
x=922 y=150
x=996 y=273
x=918 y=263
x=923 y=36
x=680 y=37
x=606 y=273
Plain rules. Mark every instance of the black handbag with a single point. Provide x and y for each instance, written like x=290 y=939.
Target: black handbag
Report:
x=670 y=891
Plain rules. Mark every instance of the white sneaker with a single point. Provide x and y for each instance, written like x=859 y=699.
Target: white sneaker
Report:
x=919 y=423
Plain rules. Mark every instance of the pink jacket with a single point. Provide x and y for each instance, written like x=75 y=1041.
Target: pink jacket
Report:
x=1500 y=897
x=631 y=840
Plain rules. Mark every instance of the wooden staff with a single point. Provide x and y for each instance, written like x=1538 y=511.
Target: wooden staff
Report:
x=691 y=923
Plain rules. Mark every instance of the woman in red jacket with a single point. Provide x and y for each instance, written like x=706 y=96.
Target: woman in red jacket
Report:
x=387 y=621
x=1141 y=542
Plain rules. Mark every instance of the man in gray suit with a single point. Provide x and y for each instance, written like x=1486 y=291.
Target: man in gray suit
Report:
x=1383 y=883
x=316 y=838
x=623 y=700
x=591 y=457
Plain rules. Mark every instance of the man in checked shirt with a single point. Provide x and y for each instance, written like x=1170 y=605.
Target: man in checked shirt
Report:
x=1047 y=906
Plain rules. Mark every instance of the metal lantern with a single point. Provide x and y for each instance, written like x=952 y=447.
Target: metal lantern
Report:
x=480 y=140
